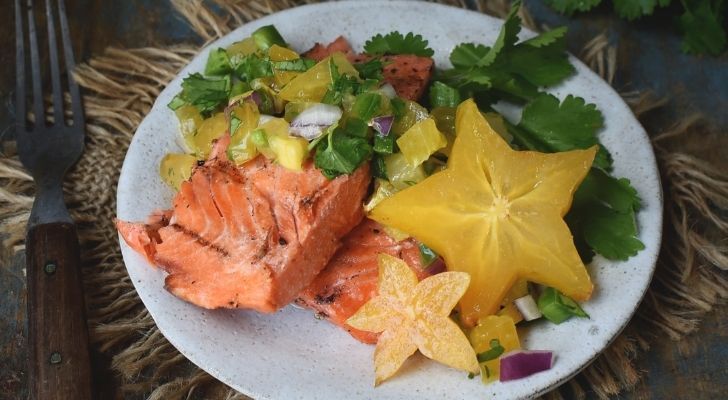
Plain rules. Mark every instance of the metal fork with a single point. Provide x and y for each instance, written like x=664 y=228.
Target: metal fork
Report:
x=57 y=333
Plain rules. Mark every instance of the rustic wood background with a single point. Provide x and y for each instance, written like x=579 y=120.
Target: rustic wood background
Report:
x=648 y=59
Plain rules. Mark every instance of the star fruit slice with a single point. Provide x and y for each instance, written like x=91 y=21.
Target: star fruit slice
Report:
x=414 y=315
x=496 y=214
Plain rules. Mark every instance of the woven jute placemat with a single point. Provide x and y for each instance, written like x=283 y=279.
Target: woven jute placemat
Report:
x=120 y=86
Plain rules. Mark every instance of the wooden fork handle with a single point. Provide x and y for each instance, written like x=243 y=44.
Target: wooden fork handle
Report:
x=58 y=337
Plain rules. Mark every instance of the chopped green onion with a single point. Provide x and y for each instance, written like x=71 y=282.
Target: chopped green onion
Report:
x=252 y=67
x=442 y=95
x=427 y=255
x=267 y=36
x=367 y=105
x=259 y=138
x=384 y=144
x=557 y=308
x=495 y=351
x=379 y=168
x=176 y=102
x=218 y=63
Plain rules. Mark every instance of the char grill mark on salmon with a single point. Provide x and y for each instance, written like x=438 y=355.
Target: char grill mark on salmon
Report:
x=350 y=279
x=222 y=243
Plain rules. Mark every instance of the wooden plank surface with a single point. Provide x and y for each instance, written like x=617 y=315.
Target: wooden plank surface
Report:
x=696 y=368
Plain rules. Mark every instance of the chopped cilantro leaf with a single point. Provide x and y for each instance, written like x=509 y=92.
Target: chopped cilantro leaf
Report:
x=633 y=9
x=507 y=37
x=341 y=154
x=602 y=217
x=571 y=124
x=568 y=7
x=702 y=24
x=218 y=63
x=207 y=94
x=396 y=43
x=252 y=67
x=177 y=102
x=468 y=54
x=371 y=69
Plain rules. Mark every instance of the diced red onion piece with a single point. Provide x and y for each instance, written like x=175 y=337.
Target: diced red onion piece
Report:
x=528 y=308
x=255 y=97
x=383 y=124
x=522 y=363
x=437 y=266
x=312 y=122
x=388 y=90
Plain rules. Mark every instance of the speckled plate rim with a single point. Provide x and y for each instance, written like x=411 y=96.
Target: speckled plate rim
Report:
x=200 y=335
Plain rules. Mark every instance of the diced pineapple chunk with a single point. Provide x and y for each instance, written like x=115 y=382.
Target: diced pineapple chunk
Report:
x=287 y=150
x=176 y=168
x=190 y=120
x=311 y=86
x=279 y=53
x=210 y=129
x=243 y=47
x=400 y=173
x=242 y=148
x=420 y=141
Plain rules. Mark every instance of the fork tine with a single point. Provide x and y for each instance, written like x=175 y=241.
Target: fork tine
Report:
x=58 y=117
x=76 y=105
x=35 y=69
x=20 y=112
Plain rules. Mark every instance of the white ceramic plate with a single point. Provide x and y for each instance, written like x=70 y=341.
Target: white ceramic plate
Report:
x=291 y=355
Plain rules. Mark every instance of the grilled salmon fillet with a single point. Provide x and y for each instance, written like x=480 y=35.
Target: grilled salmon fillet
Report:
x=350 y=279
x=252 y=236
x=408 y=74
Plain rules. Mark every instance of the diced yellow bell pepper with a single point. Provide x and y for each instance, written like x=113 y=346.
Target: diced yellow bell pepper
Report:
x=420 y=141
x=493 y=327
x=176 y=168
x=400 y=173
x=210 y=129
x=243 y=48
x=311 y=86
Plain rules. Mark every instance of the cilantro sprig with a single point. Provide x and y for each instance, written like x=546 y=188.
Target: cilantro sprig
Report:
x=396 y=43
x=702 y=21
x=509 y=69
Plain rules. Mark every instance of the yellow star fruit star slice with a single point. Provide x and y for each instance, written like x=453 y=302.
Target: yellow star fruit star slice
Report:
x=496 y=214
x=414 y=315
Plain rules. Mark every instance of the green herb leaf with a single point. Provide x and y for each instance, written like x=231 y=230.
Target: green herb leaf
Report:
x=571 y=124
x=218 y=63
x=557 y=308
x=341 y=154
x=633 y=9
x=703 y=26
x=371 y=69
x=252 y=67
x=298 y=65
x=495 y=351
x=396 y=43
x=442 y=95
x=367 y=105
x=568 y=7
x=602 y=217
x=207 y=94
x=341 y=85
x=467 y=55
x=507 y=37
